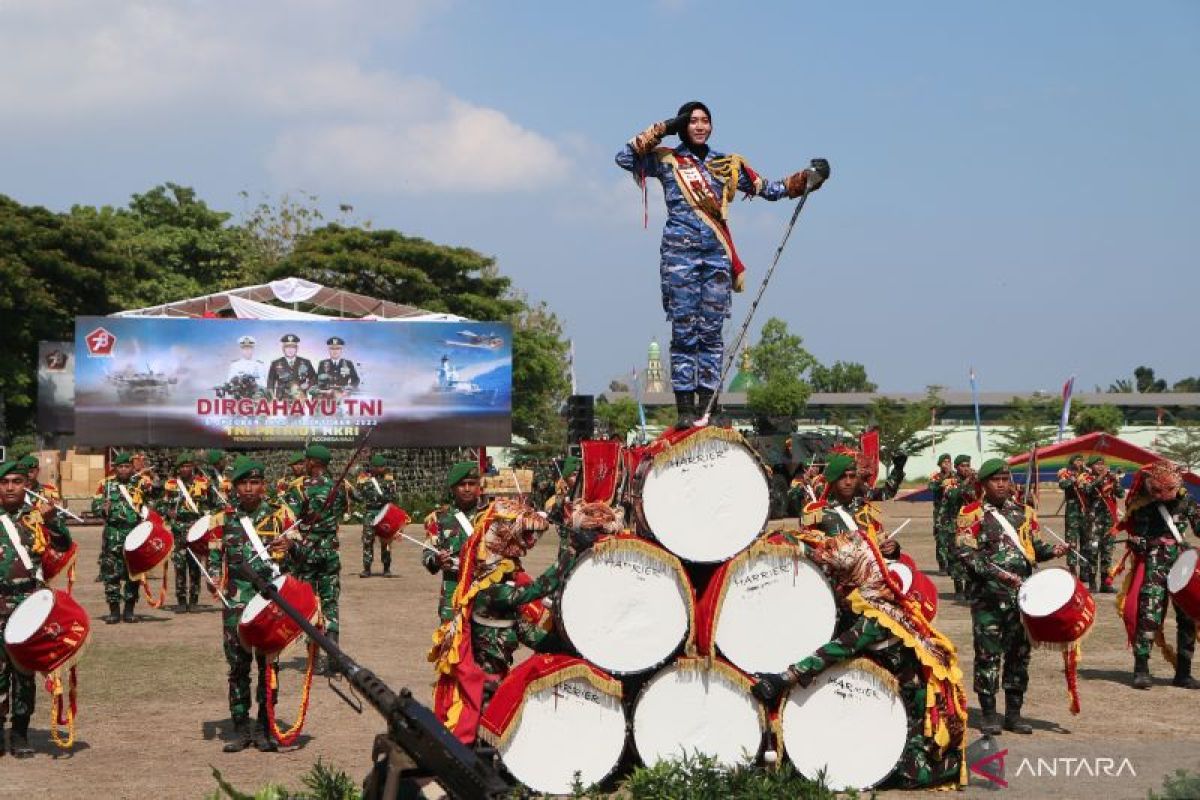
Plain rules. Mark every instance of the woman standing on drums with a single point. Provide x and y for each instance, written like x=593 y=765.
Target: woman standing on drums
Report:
x=225 y=559
x=997 y=549
x=27 y=531
x=893 y=633
x=699 y=264
x=1157 y=512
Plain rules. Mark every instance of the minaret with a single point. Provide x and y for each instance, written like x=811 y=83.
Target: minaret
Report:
x=654 y=370
x=744 y=378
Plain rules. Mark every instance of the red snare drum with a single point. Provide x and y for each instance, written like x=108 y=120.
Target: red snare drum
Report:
x=201 y=534
x=917 y=585
x=1055 y=606
x=46 y=631
x=264 y=627
x=390 y=520
x=1184 y=584
x=56 y=562
x=147 y=546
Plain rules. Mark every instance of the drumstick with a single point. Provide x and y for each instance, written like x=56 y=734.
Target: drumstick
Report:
x=428 y=547
x=208 y=577
x=63 y=509
x=896 y=532
x=1074 y=550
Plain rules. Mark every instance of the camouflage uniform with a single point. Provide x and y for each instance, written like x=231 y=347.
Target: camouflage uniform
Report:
x=226 y=559
x=18 y=690
x=1074 y=520
x=957 y=494
x=984 y=549
x=180 y=514
x=444 y=532
x=316 y=555
x=1101 y=495
x=827 y=517
x=943 y=534
x=119 y=519
x=374 y=493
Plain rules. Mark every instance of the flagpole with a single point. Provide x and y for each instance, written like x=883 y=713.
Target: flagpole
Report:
x=978 y=425
x=1068 y=390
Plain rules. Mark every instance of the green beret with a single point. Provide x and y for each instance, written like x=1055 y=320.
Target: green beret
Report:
x=377 y=460
x=991 y=467
x=214 y=455
x=297 y=458
x=319 y=452
x=571 y=465
x=1096 y=459
x=962 y=460
x=122 y=457
x=246 y=467
x=461 y=471
x=29 y=461
x=185 y=458
x=11 y=468
x=837 y=465
x=943 y=457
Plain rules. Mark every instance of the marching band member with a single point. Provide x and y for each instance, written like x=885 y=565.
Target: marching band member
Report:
x=699 y=264
x=28 y=529
x=376 y=487
x=1158 y=511
x=1074 y=516
x=843 y=507
x=556 y=506
x=998 y=550
x=119 y=500
x=943 y=534
x=293 y=480
x=447 y=530
x=960 y=490
x=1101 y=493
x=183 y=501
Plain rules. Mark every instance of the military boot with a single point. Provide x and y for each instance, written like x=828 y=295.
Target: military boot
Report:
x=127 y=615
x=20 y=737
x=180 y=606
x=1012 y=714
x=685 y=406
x=366 y=573
x=1183 y=675
x=241 y=737
x=1141 y=672
x=990 y=724
x=264 y=742
x=114 y=614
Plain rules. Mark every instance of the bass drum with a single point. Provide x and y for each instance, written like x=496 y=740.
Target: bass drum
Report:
x=626 y=605
x=850 y=723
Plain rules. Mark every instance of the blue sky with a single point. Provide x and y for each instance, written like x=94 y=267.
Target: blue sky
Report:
x=1001 y=171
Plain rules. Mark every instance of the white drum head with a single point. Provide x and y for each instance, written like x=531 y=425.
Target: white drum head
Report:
x=199 y=528
x=753 y=634
x=29 y=616
x=382 y=513
x=259 y=602
x=564 y=729
x=138 y=536
x=903 y=574
x=848 y=722
x=687 y=711
x=707 y=504
x=625 y=609
x=1046 y=592
x=1181 y=571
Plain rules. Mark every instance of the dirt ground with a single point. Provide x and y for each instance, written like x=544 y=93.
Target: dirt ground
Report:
x=153 y=709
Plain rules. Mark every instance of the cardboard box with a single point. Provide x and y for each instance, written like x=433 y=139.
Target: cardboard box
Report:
x=66 y=470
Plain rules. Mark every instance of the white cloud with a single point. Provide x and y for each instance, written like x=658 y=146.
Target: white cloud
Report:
x=294 y=68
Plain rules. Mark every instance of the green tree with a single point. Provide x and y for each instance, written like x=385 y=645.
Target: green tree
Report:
x=1090 y=419
x=1030 y=424
x=619 y=416
x=779 y=361
x=1146 y=382
x=903 y=427
x=1186 y=385
x=840 y=376
x=541 y=376
x=1181 y=445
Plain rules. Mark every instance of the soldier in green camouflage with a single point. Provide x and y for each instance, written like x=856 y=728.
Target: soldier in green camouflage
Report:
x=943 y=538
x=27 y=530
x=316 y=555
x=998 y=549
x=447 y=530
x=1158 y=512
x=227 y=557
x=184 y=499
x=960 y=490
x=1074 y=518
x=119 y=501
x=1101 y=493
x=375 y=488
x=564 y=488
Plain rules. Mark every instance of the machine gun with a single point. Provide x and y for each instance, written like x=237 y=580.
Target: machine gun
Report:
x=416 y=746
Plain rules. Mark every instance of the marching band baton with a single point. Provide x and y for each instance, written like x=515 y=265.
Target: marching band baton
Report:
x=430 y=548
x=208 y=577
x=63 y=509
x=1074 y=550
x=896 y=532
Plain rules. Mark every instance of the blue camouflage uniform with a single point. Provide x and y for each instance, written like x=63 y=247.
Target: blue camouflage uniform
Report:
x=696 y=269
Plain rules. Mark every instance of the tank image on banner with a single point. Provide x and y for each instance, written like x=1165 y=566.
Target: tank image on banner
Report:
x=277 y=383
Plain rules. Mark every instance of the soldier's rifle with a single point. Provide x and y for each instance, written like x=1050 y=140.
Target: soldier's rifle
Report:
x=417 y=746
x=310 y=517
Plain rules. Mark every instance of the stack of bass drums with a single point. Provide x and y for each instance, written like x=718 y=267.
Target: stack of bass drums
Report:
x=667 y=625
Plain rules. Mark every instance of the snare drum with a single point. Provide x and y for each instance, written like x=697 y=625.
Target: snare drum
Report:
x=627 y=605
x=146 y=546
x=390 y=520
x=917 y=585
x=1184 y=584
x=766 y=609
x=1055 y=607
x=201 y=534
x=265 y=628
x=702 y=494
x=554 y=716
x=46 y=632
x=690 y=707
x=850 y=722
x=56 y=563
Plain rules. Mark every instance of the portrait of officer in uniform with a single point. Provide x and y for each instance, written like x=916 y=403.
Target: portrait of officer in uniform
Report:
x=337 y=373
x=248 y=365
x=292 y=375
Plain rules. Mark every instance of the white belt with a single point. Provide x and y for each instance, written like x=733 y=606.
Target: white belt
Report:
x=492 y=623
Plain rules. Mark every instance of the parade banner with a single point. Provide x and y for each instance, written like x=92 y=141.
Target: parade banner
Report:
x=158 y=381
x=56 y=387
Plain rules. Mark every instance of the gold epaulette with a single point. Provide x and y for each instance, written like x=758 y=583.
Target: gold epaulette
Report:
x=172 y=485
x=813 y=513
x=969 y=516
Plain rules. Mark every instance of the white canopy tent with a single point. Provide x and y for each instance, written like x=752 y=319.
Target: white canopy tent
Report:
x=260 y=302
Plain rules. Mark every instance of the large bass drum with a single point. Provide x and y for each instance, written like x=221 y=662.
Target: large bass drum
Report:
x=627 y=605
x=703 y=495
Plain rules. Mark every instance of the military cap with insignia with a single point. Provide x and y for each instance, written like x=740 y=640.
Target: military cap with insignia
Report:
x=993 y=466
x=246 y=467
x=319 y=452
x=335 y=341
x=290 y=338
